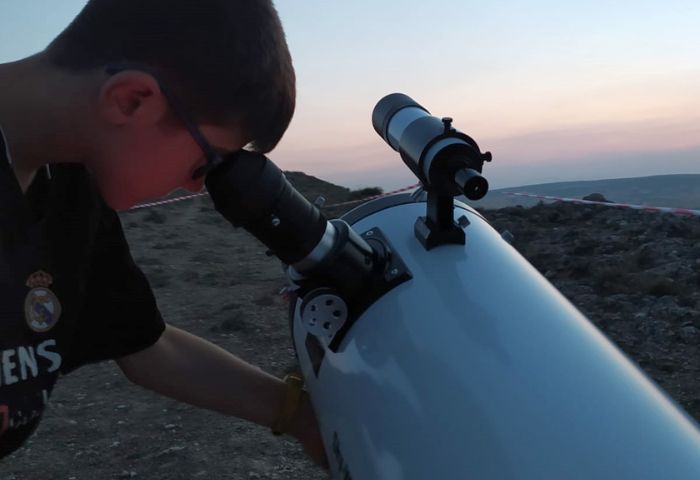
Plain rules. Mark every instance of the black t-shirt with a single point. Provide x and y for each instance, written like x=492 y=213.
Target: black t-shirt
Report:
x=70 y=293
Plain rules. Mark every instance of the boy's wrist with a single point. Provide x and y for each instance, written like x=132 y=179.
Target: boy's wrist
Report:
x=292 y=405
x=304 y=419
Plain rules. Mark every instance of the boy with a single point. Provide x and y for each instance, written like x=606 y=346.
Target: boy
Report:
x=124 y=106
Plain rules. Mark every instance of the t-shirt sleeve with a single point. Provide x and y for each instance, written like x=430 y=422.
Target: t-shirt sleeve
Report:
x=119 y=314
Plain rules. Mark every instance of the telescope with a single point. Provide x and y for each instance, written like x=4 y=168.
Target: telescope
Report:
x=431 y=348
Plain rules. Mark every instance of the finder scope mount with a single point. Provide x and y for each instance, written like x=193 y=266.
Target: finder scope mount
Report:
x=446 y=161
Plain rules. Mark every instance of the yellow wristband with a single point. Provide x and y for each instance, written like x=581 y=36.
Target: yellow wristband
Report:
x=295 y=384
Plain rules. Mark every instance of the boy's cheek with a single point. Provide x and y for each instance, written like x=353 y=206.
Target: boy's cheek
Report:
x=131 y=176
x=117 y=198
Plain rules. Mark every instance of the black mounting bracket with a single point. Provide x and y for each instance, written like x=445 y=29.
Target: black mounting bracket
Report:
x=439 y=227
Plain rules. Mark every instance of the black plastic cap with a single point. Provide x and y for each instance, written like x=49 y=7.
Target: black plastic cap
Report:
x=386 y=108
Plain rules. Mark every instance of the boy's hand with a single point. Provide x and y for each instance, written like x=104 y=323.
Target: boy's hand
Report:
x=305 y=429
x=193 y=370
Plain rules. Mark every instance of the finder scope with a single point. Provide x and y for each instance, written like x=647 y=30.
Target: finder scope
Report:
x=445 y=160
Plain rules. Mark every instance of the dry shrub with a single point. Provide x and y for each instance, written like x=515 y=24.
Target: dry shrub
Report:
x=364 y=193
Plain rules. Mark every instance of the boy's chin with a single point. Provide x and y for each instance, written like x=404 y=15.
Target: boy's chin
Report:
x=120 y=206
x=119 y=201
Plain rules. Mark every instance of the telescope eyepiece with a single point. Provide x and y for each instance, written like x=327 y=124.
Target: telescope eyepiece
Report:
x=471 y=183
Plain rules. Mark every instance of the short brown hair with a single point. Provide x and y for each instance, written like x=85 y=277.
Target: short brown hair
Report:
x=226 y=60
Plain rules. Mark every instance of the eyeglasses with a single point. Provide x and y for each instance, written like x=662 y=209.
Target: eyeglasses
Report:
x=212 y=157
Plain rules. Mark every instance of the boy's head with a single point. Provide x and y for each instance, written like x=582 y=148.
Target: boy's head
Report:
x=225 y=61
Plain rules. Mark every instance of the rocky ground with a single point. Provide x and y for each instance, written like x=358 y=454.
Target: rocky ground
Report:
x=636 y=276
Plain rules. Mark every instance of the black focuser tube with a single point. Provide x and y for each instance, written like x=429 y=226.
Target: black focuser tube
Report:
x=251 y=192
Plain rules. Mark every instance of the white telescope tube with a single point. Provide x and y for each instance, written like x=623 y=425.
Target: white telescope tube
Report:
x=478 y=368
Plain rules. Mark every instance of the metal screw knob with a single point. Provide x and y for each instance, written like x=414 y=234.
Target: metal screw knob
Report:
x=447 y=122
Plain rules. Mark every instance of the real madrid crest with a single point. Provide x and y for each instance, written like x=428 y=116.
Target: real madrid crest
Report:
x=41 y=307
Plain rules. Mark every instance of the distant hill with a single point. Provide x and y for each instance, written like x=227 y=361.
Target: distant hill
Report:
x=312 y=187
x=681 y=191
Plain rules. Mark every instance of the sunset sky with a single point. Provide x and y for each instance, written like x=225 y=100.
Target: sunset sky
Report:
x=555 y=90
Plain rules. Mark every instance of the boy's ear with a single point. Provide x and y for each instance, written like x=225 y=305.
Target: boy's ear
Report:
x=131 y=97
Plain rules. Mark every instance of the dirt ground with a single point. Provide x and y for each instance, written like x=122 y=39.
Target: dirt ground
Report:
x=215 y=282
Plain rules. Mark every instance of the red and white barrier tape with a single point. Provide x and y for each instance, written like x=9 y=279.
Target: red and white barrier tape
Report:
x=170 y=200
x=187 y=197
x=676 y=211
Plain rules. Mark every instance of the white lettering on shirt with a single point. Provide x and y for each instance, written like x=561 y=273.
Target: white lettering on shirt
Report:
x=7 y=366
x=20 y=418
x=27 y=359
x=22 y=363
x=53 y=357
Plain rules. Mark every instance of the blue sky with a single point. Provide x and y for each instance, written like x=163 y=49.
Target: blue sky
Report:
x=556 y=90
